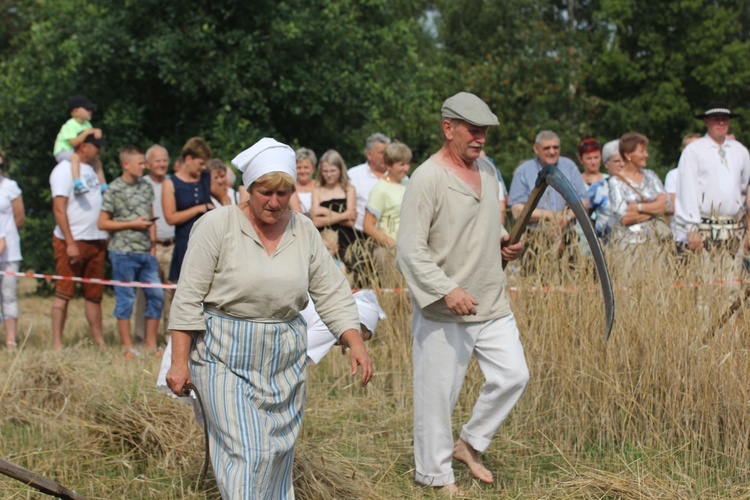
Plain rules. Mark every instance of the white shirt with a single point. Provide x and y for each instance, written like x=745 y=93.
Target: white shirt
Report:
x=83 y=210
x=9 y=191
x=305 y=201
x=363 y=180
x=670 y=186
x=670 y=182
x=708 y=184
x=164 y=231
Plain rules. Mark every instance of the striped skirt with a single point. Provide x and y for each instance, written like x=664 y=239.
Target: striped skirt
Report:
x=252 y=380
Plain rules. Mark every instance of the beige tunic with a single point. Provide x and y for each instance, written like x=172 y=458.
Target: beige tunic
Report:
x=448 y=238
x=226 y=268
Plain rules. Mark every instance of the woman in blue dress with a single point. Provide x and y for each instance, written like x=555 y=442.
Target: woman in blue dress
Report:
x=186 y=196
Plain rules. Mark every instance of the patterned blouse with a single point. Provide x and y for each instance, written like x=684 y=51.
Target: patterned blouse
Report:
x=623 y=193
x=601 y=207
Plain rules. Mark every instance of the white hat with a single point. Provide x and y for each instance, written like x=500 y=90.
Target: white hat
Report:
x=265 y=156
x=369 y=309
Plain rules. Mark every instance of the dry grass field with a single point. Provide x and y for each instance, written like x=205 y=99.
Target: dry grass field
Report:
x=661 y=411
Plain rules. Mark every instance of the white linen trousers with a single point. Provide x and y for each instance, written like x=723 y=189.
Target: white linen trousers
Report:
x=441 y=355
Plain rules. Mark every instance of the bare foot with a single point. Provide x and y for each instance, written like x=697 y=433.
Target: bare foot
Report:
x=468 y=455
x=450 y=490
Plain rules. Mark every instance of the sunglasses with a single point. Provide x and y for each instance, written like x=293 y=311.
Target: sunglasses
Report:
x=588 y=146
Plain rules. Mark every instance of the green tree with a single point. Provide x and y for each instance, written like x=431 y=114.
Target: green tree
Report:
x=321 y=73
x=522 y=58
x=661 y=62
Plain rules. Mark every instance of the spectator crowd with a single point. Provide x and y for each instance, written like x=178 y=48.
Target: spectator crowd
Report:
x=257 y=265
x=142 y=219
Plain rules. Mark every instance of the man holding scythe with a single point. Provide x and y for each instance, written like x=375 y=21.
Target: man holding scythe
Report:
x=451 y=247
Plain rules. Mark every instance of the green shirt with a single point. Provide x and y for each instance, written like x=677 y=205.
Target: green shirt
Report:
x=126 y=202
x=385 y=205
x=68 y=131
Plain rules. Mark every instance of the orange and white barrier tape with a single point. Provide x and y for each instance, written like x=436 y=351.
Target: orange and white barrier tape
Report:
x=57 y=277
x=512 y=289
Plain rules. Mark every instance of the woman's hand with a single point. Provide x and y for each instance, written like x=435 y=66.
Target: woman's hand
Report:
x=179 y=373
x=660 y=204
x=177 y=377
x=357 y=354
x=351 y=214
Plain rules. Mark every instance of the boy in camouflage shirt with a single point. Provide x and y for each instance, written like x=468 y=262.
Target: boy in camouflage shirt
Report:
x=127 y=214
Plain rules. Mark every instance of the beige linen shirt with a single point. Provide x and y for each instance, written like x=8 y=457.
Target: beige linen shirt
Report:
x=449 y=237
x=227 y=269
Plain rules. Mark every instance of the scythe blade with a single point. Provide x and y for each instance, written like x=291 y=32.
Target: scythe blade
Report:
x=551 y=176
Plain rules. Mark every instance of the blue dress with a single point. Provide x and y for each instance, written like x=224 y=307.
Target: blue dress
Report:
x=187 y=195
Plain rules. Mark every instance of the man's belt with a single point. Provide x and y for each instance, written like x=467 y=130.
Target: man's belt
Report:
x=716 y=228
x=166 y=243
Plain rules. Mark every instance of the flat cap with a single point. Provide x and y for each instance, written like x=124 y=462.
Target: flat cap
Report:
x=469 y=108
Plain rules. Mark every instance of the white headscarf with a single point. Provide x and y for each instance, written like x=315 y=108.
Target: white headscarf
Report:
x=369 y=309
x=265 y=156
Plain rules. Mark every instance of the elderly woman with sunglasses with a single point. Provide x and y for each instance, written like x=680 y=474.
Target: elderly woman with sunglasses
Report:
x=237 y=330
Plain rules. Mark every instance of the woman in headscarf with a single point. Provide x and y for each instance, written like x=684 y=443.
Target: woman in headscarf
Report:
x=236 y=328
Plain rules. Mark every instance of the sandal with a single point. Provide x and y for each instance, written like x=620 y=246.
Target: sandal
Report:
x=132 y=353
x=11 y=345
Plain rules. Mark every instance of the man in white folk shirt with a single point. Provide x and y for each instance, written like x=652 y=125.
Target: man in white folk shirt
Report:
x=713 y=174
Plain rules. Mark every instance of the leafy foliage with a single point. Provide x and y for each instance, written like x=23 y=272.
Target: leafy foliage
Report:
x=328 y=73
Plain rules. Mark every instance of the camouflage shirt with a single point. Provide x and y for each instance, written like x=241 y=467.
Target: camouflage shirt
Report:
x=126 y=202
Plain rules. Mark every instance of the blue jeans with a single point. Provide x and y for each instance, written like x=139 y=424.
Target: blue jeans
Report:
x=131 y=266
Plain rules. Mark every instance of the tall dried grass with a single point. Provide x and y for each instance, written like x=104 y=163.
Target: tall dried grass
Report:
x=661 y=411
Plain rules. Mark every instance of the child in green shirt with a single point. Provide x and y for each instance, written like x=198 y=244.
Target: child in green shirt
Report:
x=71 y=134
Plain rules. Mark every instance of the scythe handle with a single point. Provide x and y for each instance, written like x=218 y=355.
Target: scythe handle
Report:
x=523 y=220
x=38 y=482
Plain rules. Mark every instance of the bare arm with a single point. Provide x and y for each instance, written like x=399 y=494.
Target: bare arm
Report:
x=19 y=212
x=537 y=214
x=152 y=232
x=77 y=140
x=244 y=195
x=357 y=354
x=371 y=230
x=169 y=205
x=648 y=210
x=107 y=224
x=179 y=373
x=322 y=216
x=59 y=209
x=351 y=207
